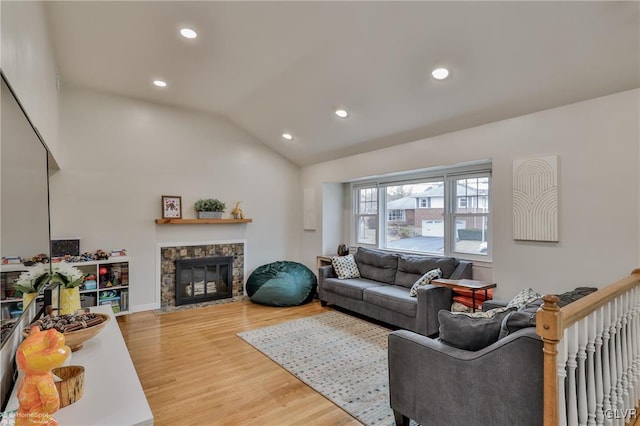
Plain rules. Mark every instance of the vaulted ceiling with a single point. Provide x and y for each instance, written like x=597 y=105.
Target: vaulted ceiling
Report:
x=274 y=67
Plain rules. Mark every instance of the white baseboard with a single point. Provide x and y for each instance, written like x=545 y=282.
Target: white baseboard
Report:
x=148 y=307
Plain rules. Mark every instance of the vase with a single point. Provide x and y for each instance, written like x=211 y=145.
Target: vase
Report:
x=27 y=298
x=209 y=215
x=343 y=250
x=69 y=300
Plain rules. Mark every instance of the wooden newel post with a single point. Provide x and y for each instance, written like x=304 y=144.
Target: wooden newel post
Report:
x=549 y=328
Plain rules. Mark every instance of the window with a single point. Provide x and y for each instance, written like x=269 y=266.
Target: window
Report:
x=366 y=213
x=397 y=215
x=472 y=216
x=447 y=213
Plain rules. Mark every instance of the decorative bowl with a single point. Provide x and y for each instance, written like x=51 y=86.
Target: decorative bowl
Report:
x=75 y=339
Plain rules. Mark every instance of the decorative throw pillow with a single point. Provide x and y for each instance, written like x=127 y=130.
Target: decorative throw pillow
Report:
x=523 y=298
x=424 y=280
x=471 y=331
x=345 y=266
x=459 y=307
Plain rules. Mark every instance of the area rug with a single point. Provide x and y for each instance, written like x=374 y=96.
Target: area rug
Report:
x=340 y=356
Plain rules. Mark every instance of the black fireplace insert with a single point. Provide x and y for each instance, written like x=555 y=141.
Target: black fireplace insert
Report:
x=203 y=279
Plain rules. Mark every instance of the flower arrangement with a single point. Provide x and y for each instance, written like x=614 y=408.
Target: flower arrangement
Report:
x=32 y=280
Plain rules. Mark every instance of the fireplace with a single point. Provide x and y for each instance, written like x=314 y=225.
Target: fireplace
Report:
x=203 y=279
x=169 y=254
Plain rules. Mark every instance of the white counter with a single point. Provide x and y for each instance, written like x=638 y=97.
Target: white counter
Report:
x=113 y=395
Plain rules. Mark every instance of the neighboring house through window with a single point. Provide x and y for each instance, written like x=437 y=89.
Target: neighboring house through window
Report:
x=445 y=212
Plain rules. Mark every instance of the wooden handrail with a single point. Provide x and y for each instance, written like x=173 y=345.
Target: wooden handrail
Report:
x=552 y=326
x=551 y=321
x=579 y=309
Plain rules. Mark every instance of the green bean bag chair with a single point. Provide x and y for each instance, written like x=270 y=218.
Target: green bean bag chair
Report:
x=282 y=283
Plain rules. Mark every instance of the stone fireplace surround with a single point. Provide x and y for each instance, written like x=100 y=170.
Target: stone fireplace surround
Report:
x=170 y=252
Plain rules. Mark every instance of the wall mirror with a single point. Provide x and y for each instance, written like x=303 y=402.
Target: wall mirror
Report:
x=24 y=217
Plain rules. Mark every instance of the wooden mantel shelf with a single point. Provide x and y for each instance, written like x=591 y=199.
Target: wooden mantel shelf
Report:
x=196 y=221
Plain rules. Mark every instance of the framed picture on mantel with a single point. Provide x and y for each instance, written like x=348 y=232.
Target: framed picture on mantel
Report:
x=171 y=207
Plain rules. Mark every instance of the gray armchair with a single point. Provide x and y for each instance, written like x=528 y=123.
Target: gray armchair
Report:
x=436 y=384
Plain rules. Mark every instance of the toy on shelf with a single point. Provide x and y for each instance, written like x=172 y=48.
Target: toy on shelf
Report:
x=11 y=260
x=101 y=255
x=86 y=257
x=90 y=282
x=118 y=252
x=37 y=355
x=38 y=258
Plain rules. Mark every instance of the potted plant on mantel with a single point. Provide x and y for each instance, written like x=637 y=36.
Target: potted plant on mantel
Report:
x=210 y=208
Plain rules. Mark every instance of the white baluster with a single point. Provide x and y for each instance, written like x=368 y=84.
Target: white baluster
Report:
x=636 y=347
x=606 y=363
x=619 y=368
x=598 y=320
x=581 y=379
x=624 y=378
x=628 y=366
x=632 y=343
x=590 y=331
x=572 y=399
x=636 y=340
x=561 y=372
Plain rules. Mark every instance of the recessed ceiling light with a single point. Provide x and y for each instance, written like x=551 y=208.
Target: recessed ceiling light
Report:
x=188 y=33
x=160 y=83
x=342 y=113
x=440 y=73
x=287 y=136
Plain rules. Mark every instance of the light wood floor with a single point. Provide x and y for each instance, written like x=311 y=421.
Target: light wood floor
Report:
x=196 y=371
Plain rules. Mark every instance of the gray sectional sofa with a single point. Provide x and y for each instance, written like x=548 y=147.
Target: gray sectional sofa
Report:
x=382 y=291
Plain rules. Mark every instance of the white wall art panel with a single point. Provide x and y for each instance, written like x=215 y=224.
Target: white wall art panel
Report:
x=309 y=209
x=535 y=199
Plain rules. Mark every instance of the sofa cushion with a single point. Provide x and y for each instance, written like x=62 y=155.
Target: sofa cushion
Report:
x=425 y=280
x=471 y=331
x=350 y=287
x=392 y=297
x=345 y=266
x=377 y=265
x=573 y=295
x=412 y=267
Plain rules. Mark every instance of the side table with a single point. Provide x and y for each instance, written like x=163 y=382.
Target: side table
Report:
x=472 y=285
x=324 y=260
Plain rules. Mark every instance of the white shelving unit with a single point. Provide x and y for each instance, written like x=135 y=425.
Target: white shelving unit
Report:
x=111 y=277
x=10 y=304
x=111 y=287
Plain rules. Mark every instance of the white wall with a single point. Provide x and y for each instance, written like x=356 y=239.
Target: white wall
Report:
x=598 y=146
x=29 y=65
x=121 y=155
